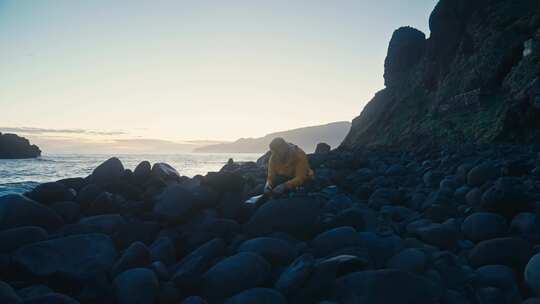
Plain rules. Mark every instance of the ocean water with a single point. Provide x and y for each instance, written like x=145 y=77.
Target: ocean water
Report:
x=21 y=175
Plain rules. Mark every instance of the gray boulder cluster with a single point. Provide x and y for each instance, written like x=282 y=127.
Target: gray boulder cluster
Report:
x=446 y=225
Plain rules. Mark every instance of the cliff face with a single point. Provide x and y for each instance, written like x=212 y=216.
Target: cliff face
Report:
x=13 y=146
x=476 y=79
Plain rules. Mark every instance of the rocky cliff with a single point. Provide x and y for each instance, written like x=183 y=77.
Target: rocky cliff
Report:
x=475 y=79
x=13 y=146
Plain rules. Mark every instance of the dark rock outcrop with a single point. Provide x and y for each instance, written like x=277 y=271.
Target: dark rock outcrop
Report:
x=475 y=79
x=15 y=147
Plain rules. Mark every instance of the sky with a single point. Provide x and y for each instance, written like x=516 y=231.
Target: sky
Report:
x=178 y=71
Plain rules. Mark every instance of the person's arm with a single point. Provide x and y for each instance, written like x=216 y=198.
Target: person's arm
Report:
x=300 y=173
x=271 y=173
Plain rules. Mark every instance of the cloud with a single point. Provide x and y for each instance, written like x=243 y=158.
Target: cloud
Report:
x=38 y=131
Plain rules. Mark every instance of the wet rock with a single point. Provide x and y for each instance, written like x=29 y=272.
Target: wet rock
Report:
x=332 y=240
x=483 y=226
x=259 y=296
x=275 y=251
x=18 y=211
x=236 y=273
x=512 y=252
x=109 y=171
x=73 y=256
x=298 y=216
x=165 y=172
x=138 y=285
x=13 y=239
x=372 y=287
x=136 y=255
x=48 y=193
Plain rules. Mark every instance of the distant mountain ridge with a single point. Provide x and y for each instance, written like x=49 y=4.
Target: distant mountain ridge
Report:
x=306 y=138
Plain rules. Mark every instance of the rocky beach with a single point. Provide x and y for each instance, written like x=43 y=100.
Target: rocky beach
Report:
x=435 y=225
x=433 y=197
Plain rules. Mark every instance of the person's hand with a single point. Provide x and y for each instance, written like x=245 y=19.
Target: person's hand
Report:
x=280 y=189
x=267 y=188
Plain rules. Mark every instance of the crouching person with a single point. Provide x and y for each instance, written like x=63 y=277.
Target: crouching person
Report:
x=288 y=168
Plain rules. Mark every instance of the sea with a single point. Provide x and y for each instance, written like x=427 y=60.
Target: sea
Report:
x=21 y=175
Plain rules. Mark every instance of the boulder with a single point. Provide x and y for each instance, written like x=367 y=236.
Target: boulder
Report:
x=75 y=183
x=8 y=295
x=138 y=285
x=501 y=277
x=483 y=226
x=142 y=172
x=526 y=225
x=234 y=274
x=136 y=230
x=48 y=193
x=443 y=236
x=188 y=272
x=13 y=239
x=275 y=251
x=18 y=211
x=74 y=257
x=532 y=274
x=411 y=260
x=163 y=250
x=298 y=216
x=56 y=298
x=259 y=296
x=107 y=223
x=109 y=171
x=174 y=204
x=333 y=240
x=322 y=148
x=482 y=173
x=69 y=211
x=164 y=172
x=507 y=197
x=136 y=255
x=294 y=276
x=385 y=286
x=512 y=252
x=224 y=181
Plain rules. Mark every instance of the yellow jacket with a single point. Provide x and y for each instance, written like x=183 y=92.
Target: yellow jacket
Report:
x=296 y=166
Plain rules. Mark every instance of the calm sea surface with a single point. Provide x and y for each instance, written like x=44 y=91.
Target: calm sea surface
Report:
x=17 y=176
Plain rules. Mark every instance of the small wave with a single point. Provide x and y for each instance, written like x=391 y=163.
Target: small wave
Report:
x=17 y=188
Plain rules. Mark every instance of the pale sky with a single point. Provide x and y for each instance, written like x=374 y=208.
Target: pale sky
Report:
x=193 y=70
